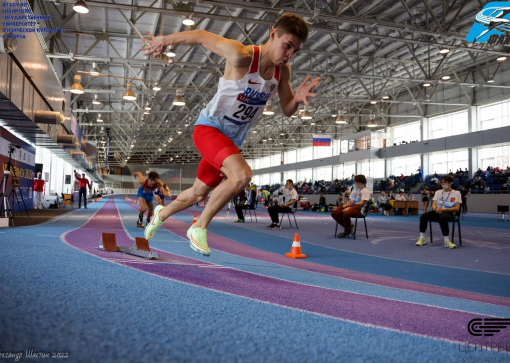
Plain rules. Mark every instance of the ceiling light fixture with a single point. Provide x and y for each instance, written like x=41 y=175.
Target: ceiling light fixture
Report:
x=94 y=71
x=427 y=84
x=188 y=21
x=129 y=95
x=371 y=121
x=445 y=77
x=147 y=106
x=169 y=52
x=99 y=119
x=444 y=50
x=501 y=59
x=156 y=87
x=340 y=119
x=490 y=80
x=268 y=109
x=77 y=88
x=305 y=115
x=179 y=99
x=81 y=7
x=96 y=101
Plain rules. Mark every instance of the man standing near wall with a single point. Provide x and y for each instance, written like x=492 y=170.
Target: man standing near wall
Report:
x=84 y=182
x=38 y=190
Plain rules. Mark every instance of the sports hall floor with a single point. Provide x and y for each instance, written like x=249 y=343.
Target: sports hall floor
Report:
x=366 y=300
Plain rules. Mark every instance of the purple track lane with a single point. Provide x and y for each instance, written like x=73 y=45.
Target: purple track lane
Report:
x=430 y=321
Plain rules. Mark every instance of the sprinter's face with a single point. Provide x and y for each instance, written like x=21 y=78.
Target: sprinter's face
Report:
x=284 y=46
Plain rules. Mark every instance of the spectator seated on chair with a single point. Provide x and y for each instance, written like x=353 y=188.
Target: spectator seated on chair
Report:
x=382 y=201
x=266 y=195
x=372 y=207
x=409 y=198
x=285 y=206
x=401 y=198
x=322 y=203
x=249 y=203
x=358 y=199
x=445 y=204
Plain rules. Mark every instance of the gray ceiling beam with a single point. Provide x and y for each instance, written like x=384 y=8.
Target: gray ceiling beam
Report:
x=333 y=19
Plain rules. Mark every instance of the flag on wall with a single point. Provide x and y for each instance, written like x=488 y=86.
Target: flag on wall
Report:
x=321 y=140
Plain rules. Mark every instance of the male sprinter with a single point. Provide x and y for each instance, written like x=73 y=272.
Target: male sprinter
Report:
x=252 y=76
x=146 y=194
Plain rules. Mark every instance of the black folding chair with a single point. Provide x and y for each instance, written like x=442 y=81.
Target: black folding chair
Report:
x=359 y=216
x=456 y=219
x=250 y=209
x=288 y=213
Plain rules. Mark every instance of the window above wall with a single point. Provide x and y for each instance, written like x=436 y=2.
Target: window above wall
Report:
x=406 y=133
x=494 y=115
x=455 y=123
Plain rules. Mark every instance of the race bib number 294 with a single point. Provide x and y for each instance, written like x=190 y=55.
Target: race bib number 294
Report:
x=245 y=112
x=245 y=109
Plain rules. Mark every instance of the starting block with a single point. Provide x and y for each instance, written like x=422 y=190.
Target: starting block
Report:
x=141 y=248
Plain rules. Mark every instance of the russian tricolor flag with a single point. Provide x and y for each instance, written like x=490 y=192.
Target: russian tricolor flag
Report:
x=321 y=140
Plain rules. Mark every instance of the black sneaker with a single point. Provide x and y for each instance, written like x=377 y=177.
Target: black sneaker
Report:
x=271 y=225
x=342 y=235
x=276 y=227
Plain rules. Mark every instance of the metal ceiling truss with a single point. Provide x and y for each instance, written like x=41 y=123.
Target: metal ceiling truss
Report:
x=362 y=50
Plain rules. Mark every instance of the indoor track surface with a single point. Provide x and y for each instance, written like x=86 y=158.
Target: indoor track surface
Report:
x=380 y=299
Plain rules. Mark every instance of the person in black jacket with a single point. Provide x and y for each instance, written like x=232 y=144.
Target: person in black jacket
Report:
x=251 y=200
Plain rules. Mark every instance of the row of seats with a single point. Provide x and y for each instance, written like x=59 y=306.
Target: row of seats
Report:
x=362 y=216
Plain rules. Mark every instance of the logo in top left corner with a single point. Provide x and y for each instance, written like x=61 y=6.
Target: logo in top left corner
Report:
x=491 y=25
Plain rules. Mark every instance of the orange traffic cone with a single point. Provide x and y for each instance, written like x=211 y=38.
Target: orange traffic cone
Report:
x=295 y=251
x=194 y=219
